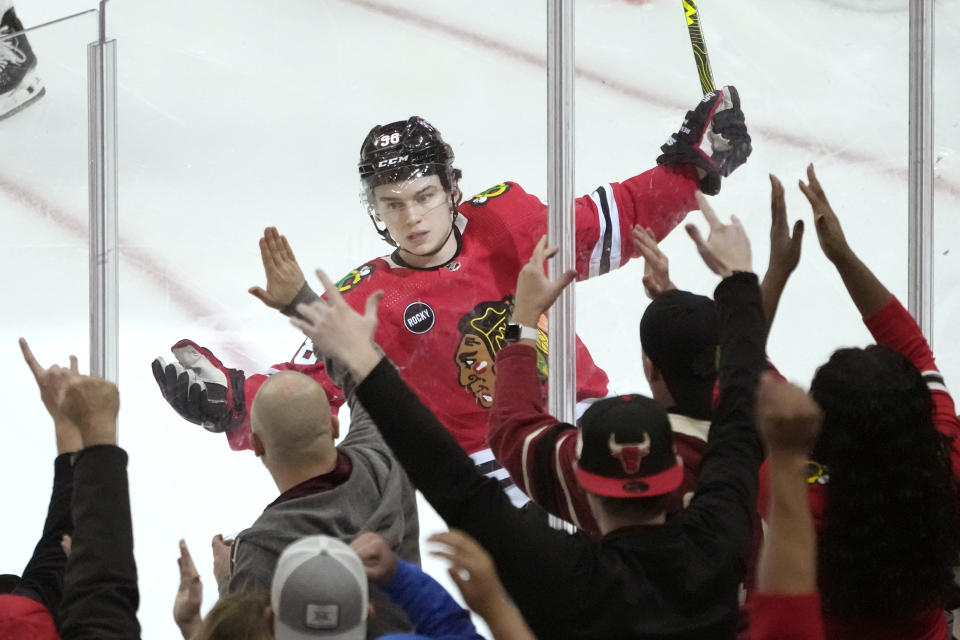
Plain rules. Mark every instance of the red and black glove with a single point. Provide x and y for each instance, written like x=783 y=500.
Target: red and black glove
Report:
x=713 y=138
x=200 y=388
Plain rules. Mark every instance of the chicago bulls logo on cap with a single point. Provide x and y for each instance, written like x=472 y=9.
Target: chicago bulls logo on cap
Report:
x=630 y=454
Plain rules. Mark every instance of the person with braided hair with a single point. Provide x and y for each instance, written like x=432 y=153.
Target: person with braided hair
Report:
x=882 y=479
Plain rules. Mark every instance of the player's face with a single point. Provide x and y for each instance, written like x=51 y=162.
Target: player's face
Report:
x=476 y=369
x=417 y=214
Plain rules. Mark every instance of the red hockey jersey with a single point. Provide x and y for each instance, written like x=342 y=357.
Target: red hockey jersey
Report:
x=443 y=326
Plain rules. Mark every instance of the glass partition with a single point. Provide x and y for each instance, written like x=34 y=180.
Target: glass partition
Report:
x=233 y=120
x=946 y=284
x=43 y=212
x=813 y=89
x=235 y=117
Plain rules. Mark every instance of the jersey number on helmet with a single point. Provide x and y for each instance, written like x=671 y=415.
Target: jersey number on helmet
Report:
x=386 y=141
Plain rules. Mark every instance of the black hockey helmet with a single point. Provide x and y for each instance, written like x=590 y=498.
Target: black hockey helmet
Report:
x=405 y=149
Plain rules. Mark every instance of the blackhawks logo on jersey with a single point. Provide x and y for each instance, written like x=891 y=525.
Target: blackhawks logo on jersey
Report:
x=493 y=192
x=482 y=335
x=352 y=279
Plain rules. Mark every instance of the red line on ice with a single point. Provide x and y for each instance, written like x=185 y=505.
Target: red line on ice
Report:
x=804 y=143
x=181 y=295
x=75 y=225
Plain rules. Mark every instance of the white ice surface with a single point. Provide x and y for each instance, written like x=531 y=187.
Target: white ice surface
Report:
x=236 y=115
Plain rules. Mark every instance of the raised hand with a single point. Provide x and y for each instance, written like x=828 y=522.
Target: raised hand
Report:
x=53 y=383
x=865 y=289
x=784 y=251
x=186 y=605
x=727 y=248
x=784 y=248
x=472 y=570
x=379 y=560
x=787 y=417
x=221 y=559
x=789 y=421
x=284 y=275
x=656 y=266
x=535 y=291
x=92 y=404
x=339 y=332
x=825 y=221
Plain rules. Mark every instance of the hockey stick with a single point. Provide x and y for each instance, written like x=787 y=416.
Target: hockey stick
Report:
x=700 y=55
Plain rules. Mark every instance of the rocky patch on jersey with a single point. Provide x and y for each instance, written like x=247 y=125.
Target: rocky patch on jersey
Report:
x=352 y=279
x=482 y=335
x=493 y=192
x=419 y=317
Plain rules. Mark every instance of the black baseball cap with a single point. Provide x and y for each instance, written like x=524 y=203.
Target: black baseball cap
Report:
x=625 y=449
x=680 y=333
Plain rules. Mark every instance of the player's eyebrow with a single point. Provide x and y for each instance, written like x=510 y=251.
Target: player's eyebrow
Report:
x=420 y=192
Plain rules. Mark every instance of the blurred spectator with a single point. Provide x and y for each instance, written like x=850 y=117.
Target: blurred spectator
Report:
x=320 y=590
x=471 y=568
x=93 y=594
x=338 y=491
x=785 y=604
x=42 y=580
x=434 y=613
x=648 y=576
x=240 y=616
x=186 y=605
x=8 y=582
x=679 y=336
x=882 y=480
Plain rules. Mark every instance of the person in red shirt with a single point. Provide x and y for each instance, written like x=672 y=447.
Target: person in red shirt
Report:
x=450 y=281
x=785 y=604
x=679 y=337
x=882 y=482
x=82 y=572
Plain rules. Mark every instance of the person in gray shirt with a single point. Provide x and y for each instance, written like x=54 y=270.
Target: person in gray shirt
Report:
x=339 y=491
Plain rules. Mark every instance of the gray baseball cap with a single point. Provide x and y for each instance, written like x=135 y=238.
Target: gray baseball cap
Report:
x=319 y=591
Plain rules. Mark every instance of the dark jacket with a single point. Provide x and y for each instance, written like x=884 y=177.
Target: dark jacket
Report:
x=674 y=580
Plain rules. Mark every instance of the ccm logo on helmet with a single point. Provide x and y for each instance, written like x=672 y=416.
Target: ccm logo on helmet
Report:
x=392 y=161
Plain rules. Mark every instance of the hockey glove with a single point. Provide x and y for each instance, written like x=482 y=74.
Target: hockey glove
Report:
x=200 y=388
x=713 y=138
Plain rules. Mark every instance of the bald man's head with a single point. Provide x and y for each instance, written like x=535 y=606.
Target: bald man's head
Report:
x=291 y=417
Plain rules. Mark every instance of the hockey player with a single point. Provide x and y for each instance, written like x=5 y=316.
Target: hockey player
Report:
x=449 y=283
x=19 y=84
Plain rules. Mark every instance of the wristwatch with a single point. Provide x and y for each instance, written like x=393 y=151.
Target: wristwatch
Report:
x=516 y=332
